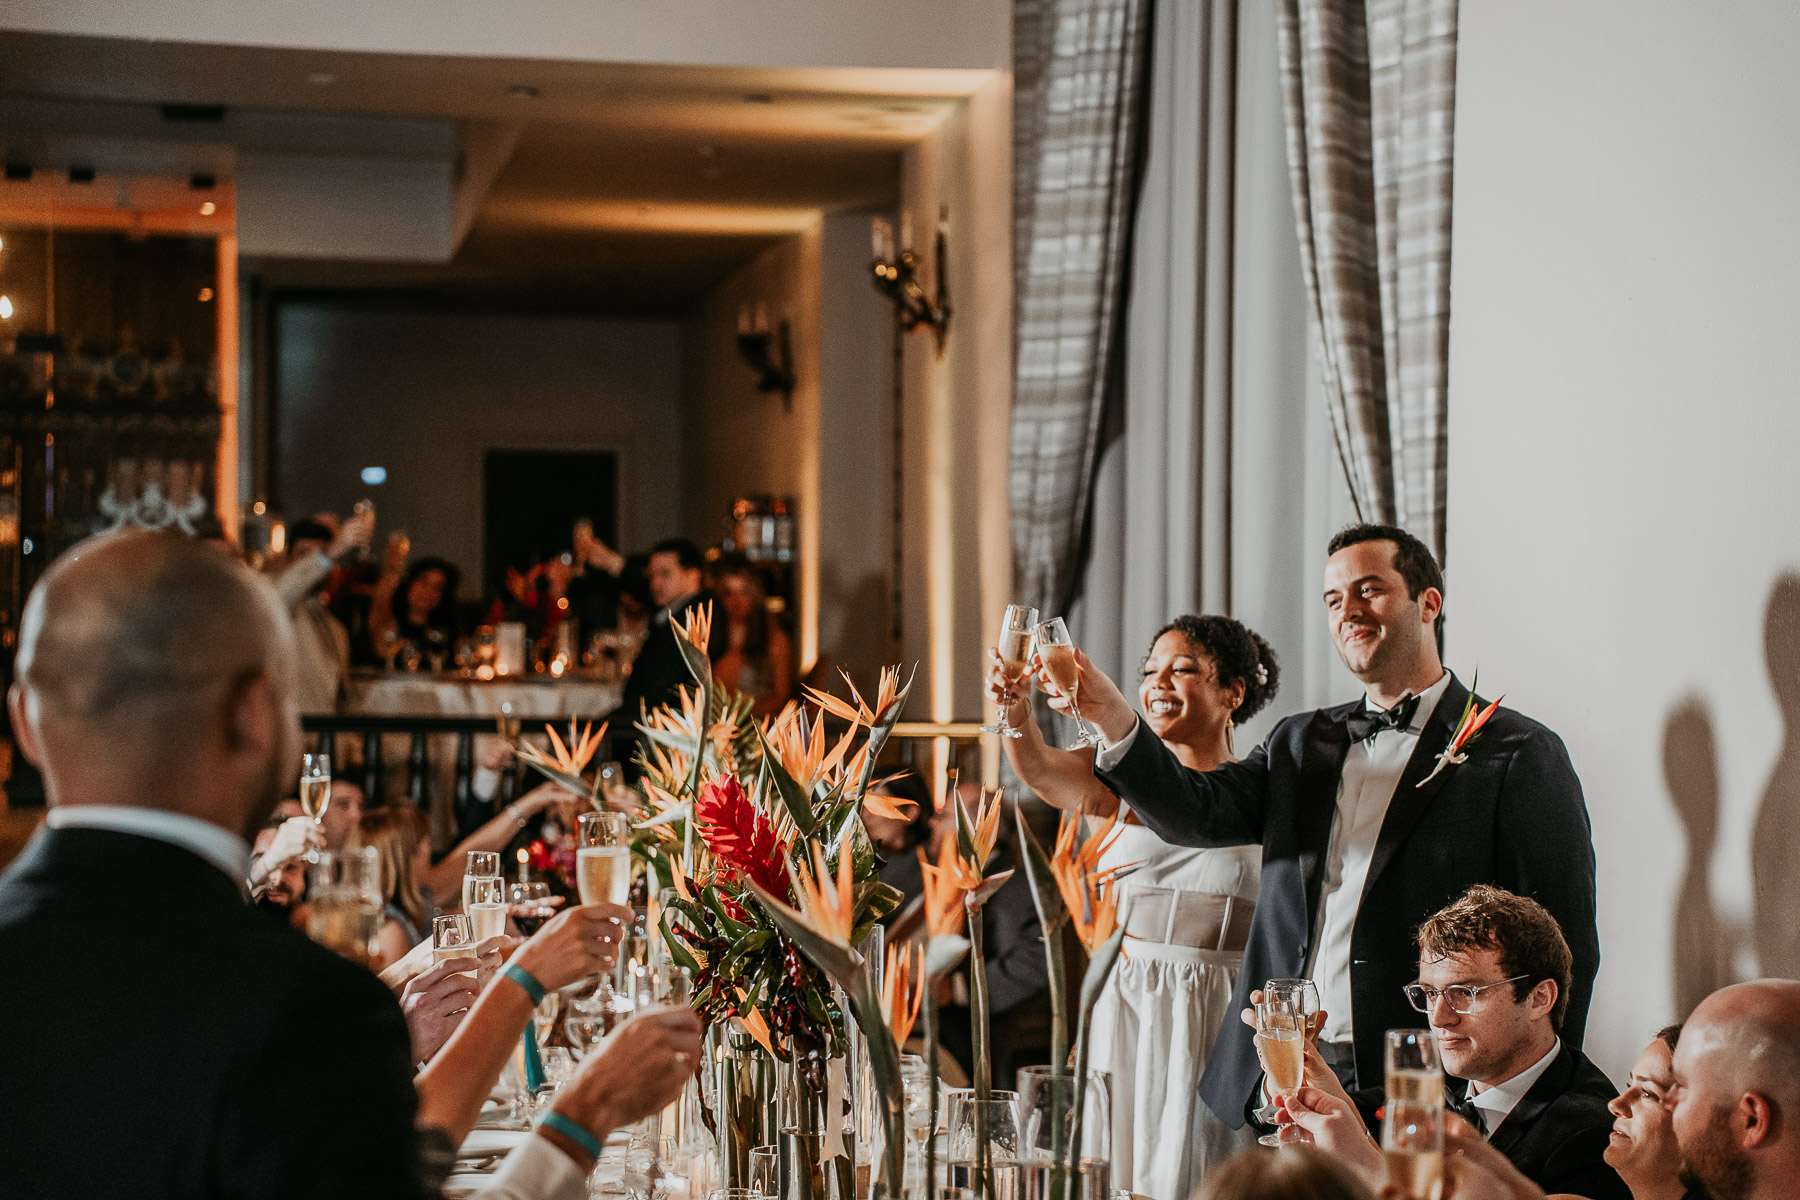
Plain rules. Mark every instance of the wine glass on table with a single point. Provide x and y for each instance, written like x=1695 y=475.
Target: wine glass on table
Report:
x=1283 y=1021
x=315 y=791
x=1412 y=1121
x=1014 y=648
x=663 y=985
x=1057 y=652
x=529 y=904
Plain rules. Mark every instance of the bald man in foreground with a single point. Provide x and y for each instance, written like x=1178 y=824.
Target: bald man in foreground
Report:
x=158 y=1037
x=1736 y=1100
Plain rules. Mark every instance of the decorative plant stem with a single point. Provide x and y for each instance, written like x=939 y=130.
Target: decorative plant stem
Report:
x=1100 y=966
x=984 y=1067
x=929 y=1016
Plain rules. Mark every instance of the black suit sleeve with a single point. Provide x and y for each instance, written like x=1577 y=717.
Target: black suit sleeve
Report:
x=1546 y=849
x=1220 y=807
x=322 y=1107
x=1016 y=967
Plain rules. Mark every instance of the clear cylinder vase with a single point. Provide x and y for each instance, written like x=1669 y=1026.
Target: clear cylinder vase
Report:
x=744 y=1107
x=1065 y=1135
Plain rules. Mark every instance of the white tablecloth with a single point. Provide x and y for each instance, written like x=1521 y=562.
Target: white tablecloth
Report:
x=412 y=695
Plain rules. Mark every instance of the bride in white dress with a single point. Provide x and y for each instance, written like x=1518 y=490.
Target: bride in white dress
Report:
x=1188 y=910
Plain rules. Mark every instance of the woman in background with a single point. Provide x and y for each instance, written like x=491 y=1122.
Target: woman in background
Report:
x=400 y=837
x=759 y=659
x=1187 y=910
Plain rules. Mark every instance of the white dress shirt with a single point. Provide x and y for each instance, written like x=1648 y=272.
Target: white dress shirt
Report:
x=216 y=844
x=536 y=1170
x=1372 y=770
x=1498 y=1101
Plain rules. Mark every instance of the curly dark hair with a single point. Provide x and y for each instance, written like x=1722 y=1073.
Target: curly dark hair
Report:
x=1238 y=653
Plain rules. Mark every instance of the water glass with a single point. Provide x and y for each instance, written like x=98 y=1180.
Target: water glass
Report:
x=1002 y=1123
x=452 y=936
x=765 y=1172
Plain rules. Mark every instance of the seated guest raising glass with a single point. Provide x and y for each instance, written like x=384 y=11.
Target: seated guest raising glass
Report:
x=758 y=659
x=322 y=642
x=401 y=838
x=1493 y=983
x=154 y=690
x=414 y=606
x=1189 y=908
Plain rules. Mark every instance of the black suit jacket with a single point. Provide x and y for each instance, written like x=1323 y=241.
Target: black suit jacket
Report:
x=1511 y=815
x=160 y=1038
x=660 y=670
x=1558 y=1132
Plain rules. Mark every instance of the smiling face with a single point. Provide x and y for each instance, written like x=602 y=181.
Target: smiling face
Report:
x=1503 y=1035
x=1380 y=631
x=1180 y=694
x=1642 y=1147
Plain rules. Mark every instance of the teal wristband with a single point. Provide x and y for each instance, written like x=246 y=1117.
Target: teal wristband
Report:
x=526 y=980
x=573 y=1132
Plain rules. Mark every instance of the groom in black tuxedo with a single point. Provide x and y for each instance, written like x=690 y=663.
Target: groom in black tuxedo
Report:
x=1361 y=841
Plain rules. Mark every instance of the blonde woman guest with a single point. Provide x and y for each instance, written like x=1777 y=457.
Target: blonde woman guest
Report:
x=400 y=835
x=1189 y=909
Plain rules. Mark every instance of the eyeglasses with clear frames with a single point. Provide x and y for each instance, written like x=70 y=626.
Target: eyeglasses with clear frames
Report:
x=1461 y=996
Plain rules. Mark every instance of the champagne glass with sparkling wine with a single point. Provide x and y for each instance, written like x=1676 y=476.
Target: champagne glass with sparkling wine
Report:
x=603 y=859
x=1015 y=657
x=1057 y=652
x=1412 y=1121
x=315 y=786
x=483 y=864
x=1282 y=1018
x=487 y=905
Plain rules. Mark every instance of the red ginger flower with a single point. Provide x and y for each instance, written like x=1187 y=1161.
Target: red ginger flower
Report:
x=741 y=838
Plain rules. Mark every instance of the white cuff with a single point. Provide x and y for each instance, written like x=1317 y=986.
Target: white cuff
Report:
x=536 y=1170
x=1109 y=755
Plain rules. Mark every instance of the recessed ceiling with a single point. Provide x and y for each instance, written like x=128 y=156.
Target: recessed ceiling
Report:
x=630 y=188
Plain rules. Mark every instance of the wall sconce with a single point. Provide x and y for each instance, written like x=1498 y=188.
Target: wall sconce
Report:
x=896 y=276
x=767 y=352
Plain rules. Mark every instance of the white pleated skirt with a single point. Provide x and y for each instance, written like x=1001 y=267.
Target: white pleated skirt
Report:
x=1153 y=1029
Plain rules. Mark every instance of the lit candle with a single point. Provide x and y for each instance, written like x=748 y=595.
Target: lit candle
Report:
x=524 y=865
x=881 y=236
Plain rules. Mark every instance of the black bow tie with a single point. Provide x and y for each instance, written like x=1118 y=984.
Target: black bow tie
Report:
x=1465 y=1108
x=1366 y=723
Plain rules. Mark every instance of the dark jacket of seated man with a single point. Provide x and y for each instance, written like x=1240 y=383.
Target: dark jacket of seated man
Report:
x=1493 y=984
x=1556 y=1134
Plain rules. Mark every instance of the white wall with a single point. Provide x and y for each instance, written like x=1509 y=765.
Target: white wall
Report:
x=781 y=33
x=1623 y=450
x=425 y=394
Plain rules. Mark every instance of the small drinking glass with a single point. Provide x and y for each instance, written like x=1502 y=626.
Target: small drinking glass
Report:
x=1002 y=1125
x=1057 y=652
x=483 y=864
x=1014 y=649
x=765 y=1172
x=315 y=786
x=1412 y=1123
x=1047 y=1104
x=452 y=936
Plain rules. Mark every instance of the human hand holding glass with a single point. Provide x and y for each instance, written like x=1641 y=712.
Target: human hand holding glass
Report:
x=1056 y=652
x=1285 y=1009
x=1013 y=654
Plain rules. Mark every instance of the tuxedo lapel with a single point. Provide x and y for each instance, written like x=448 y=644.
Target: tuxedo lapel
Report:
x=1551 y=1084
x=1410 y=798
x=1322 y=751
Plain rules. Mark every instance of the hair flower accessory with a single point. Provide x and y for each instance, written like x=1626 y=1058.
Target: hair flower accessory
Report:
x=1466 y=728
x=1262 y=673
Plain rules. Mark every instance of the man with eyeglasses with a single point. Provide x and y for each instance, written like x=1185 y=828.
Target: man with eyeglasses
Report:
x=1494 y=985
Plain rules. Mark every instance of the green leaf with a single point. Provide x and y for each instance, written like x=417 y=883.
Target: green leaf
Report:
x=677 y=951
x=563 y=779
x=1053 y=914
x=798 y=805
x=965 y=831
x=733 y=928
x=838 y=962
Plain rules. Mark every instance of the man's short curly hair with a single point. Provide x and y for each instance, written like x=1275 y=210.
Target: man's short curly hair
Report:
x=1518 y=929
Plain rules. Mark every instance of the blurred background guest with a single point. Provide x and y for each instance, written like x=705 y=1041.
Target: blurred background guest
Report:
x=674 y=571
x=322 y=644
x=759 y=658
x=401 y=837
x=413 y=611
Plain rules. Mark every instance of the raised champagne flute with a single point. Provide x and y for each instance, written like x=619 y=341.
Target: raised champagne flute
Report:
x=315 y=786
x=1412 y=1121
x=1014 y=648
x=487 y=905
x=603 y=858
x=482 y=864
x=452 y=936
x=1057 y=653
x=1283 y=1018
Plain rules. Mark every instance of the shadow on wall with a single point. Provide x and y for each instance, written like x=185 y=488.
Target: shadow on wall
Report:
x=1775 y=843
x=1703 y=951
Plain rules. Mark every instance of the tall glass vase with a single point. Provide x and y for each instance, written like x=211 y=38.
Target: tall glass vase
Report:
x=817 y=1148
x=744 y=1091
x=1065 y=1135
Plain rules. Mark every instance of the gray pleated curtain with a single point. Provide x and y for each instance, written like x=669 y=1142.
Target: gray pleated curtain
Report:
x=1369 y=89
x=1078 y=67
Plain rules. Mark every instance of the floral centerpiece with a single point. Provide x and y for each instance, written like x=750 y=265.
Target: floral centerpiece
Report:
x=756 y=828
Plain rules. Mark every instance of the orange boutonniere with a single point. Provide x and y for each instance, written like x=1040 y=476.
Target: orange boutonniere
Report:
x=1466 y=728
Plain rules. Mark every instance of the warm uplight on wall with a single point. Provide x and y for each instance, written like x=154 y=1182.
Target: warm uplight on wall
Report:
x=6 y=308
x=208 y=209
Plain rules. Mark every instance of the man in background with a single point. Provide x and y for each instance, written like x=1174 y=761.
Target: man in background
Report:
x=1736 y=1100
x=676 y=577
x=322 y=644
